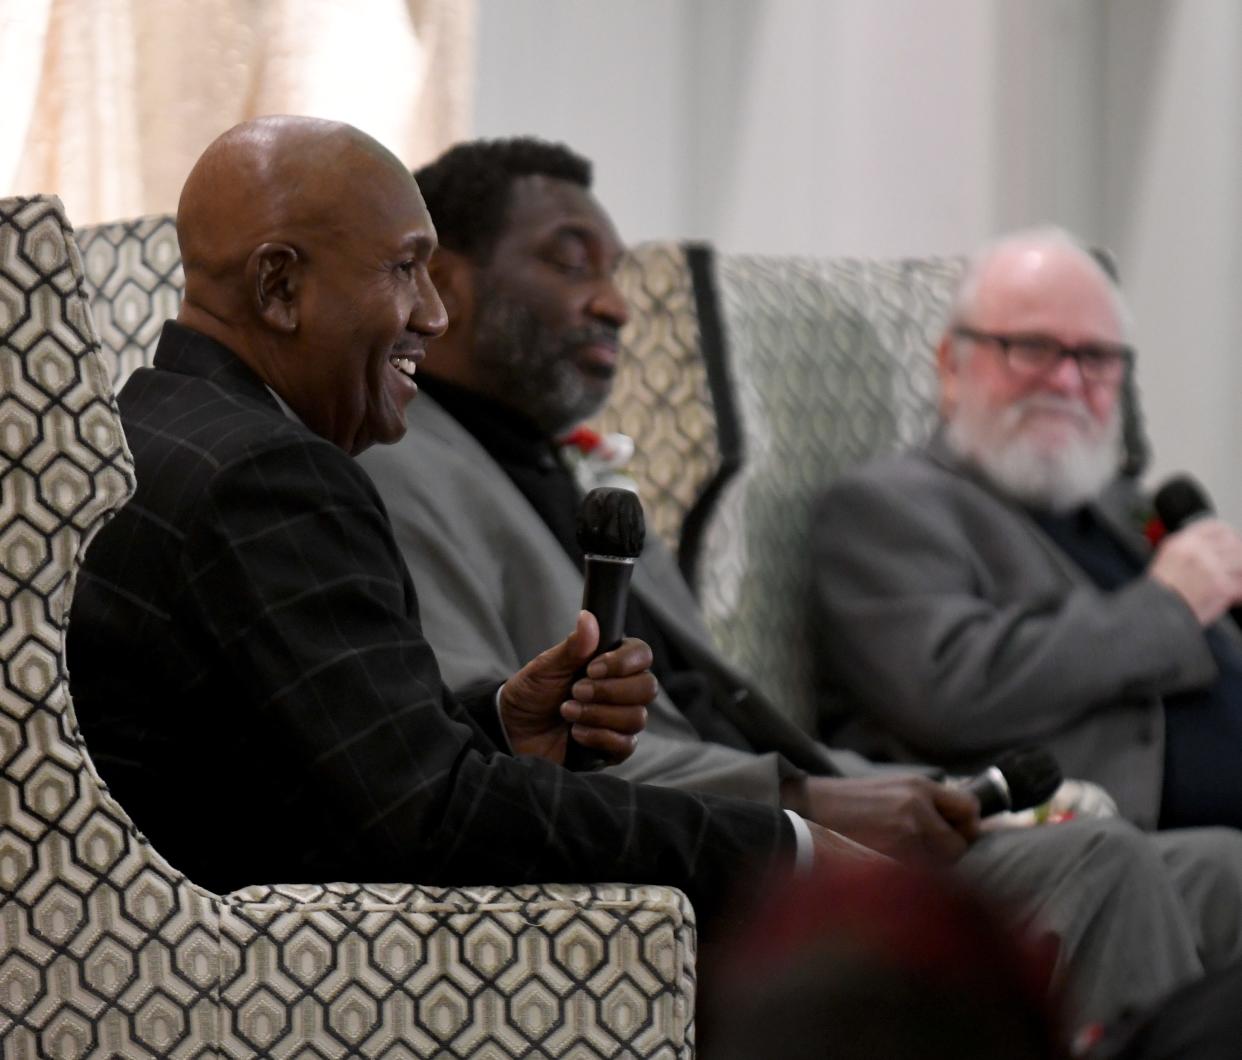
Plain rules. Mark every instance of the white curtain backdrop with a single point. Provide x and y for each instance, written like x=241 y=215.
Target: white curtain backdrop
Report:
x=107 y=103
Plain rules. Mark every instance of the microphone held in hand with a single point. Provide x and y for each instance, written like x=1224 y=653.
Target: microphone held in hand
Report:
x=1180 y=501
x=611 y=532
x=1018 y=781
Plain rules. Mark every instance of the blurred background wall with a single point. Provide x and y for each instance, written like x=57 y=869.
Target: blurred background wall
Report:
x=863 y=127
x=897 y=127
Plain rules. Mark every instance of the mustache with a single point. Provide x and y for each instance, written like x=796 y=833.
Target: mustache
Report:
x=1049 y=403
x=599 y=334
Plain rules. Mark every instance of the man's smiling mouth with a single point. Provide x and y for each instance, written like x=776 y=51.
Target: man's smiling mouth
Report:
x=406 y=365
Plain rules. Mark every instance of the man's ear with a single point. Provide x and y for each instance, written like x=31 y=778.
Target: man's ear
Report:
x=453 y=275
x=947 y=369
x=274 y=278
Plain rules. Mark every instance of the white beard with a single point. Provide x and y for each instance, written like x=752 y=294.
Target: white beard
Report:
x=1013 y=460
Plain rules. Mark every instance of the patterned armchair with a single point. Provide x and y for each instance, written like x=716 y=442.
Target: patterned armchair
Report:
x=748 y=384
x=107 y=950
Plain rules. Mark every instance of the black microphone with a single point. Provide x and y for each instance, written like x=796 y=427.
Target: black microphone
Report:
x=611 y=532
x=1018 y=781
x=1180 y=501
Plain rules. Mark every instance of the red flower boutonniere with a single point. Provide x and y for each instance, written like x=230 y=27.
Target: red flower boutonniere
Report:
x=598 y=459
x=1154 y=530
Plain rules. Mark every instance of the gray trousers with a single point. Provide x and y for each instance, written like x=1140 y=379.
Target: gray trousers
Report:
x=1137 y=914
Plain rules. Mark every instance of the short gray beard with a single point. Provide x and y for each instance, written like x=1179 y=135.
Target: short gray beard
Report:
x=1058 y=481
x=527 y=367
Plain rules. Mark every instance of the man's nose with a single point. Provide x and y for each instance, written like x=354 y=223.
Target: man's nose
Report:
x=428 y=315
x=608 y=303
x=1066 y=375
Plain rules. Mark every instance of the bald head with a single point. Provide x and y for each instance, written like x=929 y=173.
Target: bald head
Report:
x=1026 y=261
x=275 y=179
x=305 y=245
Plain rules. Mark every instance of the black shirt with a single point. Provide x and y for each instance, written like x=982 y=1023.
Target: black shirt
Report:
x=1203 y=727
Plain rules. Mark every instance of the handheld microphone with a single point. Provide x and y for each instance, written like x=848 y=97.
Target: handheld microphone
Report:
x=1180 y=501
x=1018 y=781
x=611 y=532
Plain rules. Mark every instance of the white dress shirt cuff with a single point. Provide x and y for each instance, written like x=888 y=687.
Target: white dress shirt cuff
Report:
x=501 y=718
x=804 y=851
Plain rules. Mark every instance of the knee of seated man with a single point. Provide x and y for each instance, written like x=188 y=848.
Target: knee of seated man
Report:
x=1108 y=847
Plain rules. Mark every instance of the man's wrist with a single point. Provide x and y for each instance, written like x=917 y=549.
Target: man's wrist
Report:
x=794 y=795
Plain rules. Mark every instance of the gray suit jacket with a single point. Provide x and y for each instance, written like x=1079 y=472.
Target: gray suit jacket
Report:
x=495 y=588
x=959 y=629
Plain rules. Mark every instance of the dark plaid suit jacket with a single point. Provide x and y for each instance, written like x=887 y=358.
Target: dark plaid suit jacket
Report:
x=252 y=681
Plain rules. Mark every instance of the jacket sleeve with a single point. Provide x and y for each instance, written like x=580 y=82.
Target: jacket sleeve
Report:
x=923 y=633
x=293 y=569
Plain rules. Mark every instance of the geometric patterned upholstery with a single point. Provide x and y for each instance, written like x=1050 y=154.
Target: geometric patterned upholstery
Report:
x=134 y=277
x=747 y=383
x=662 y=396
x=832 y=363
x=107 y=950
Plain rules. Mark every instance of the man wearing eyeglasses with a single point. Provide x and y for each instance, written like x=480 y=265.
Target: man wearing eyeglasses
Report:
x=993 y=590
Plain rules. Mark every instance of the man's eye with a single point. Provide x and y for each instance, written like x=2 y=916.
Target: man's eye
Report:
x=1098 y=355
x=407 y=267
x=569 y=264
x=1035 y=349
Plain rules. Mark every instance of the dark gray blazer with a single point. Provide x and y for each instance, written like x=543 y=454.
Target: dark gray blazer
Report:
x=955 y=628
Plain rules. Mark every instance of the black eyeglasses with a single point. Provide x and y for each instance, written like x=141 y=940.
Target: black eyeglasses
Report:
x=1032 y=356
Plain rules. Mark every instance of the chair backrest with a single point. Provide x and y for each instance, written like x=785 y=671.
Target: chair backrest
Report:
x=832 y=363
x=768 y=376
x=135 y=282
x=83 y=898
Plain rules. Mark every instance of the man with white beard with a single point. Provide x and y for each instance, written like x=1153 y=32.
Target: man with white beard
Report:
x=994 y=590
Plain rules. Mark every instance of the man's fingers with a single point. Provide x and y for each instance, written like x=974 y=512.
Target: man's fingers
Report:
x=626 y=719
x=946 y=845
x=583 y=641
x=636 y=689
x=631 y=656
x=615 y=745
x=957 y=806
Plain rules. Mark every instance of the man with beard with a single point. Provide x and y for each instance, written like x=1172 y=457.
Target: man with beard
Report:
x=484 y=512
x=994 y=589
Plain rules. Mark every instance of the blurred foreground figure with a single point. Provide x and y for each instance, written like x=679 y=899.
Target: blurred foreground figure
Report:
x=878 y=962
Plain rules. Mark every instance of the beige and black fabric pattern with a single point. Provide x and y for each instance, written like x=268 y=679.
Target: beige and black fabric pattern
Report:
x=106 y=950
x=135 y=282
x=832 y=363
x=662 y=396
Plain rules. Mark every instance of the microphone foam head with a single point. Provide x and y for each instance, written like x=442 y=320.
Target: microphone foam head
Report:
x=610 y=523
x=1032 y=775
x=1180 y=500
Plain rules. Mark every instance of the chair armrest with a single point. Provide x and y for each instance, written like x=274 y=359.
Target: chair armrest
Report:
x=603 y=969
